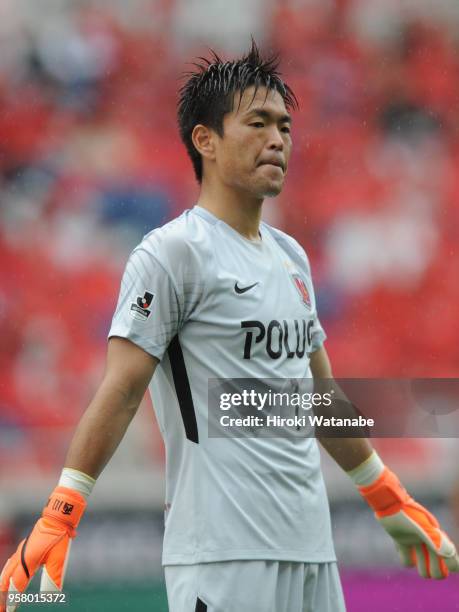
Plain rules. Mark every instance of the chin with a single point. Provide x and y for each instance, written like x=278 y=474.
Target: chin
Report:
x=272 y=190
x=264 y=189
x=272 y=193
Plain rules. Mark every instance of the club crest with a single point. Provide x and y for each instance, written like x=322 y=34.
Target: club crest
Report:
x=302 y=290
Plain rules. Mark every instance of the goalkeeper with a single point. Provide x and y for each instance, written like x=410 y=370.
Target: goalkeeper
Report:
x=247 y=525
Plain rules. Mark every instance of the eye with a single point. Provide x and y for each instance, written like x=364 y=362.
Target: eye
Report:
x=258 y=124
x=285 y=129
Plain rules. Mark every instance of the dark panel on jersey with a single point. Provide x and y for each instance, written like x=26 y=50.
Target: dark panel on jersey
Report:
x=183 y=390
x=200 y=606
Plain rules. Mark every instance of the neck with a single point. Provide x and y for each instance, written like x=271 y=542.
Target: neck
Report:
x=238 y=209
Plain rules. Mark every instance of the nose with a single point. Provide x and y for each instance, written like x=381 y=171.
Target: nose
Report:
x=276 y=142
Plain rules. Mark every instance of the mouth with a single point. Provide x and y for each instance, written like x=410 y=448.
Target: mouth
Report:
x=273 y=162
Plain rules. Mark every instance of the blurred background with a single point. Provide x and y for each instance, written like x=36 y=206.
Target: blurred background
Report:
x=90 y=161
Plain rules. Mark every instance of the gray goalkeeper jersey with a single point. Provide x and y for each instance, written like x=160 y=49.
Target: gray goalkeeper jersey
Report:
x=209 y=303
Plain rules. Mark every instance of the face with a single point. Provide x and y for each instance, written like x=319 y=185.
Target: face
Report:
x=252 y=156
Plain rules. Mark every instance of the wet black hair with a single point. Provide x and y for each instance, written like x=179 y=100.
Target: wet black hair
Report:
x=208 y=93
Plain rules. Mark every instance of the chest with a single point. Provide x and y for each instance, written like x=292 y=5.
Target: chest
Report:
x=263 y=302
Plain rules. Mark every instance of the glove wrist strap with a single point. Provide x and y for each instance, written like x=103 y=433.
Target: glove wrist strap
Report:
x=66 y=506
x=386 y=495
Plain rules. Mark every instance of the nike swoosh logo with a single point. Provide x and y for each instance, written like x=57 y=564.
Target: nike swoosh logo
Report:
x=240 y=290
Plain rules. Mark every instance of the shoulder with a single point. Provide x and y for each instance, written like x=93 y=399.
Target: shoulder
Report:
x=289 y=245
x=180 y=243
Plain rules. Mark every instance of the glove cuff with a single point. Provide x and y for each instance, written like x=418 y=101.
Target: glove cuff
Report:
x=78 y=481
x=65 y=505
x=368 y=472
x=386 y=495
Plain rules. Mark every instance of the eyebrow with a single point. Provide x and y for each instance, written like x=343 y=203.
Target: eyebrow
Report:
x=264 y=114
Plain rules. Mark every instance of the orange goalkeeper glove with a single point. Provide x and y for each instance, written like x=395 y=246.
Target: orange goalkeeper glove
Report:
x=48 y=544
x=416 y=532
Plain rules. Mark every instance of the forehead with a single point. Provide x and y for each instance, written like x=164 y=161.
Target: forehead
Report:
x=269 y=99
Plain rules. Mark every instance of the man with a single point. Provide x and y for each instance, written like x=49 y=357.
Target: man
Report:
x=247 y=524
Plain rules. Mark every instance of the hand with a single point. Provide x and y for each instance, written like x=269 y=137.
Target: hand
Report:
x=48 y=544
x=416 y=532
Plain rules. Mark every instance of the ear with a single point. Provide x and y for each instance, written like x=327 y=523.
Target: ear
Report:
x=204 y=140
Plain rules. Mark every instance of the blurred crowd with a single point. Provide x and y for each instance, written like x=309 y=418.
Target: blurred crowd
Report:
x=90 y=161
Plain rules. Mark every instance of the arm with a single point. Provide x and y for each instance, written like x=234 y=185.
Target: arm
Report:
x=129 y=369
x=347 y=452
x=415 y=531
x=102 y=427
